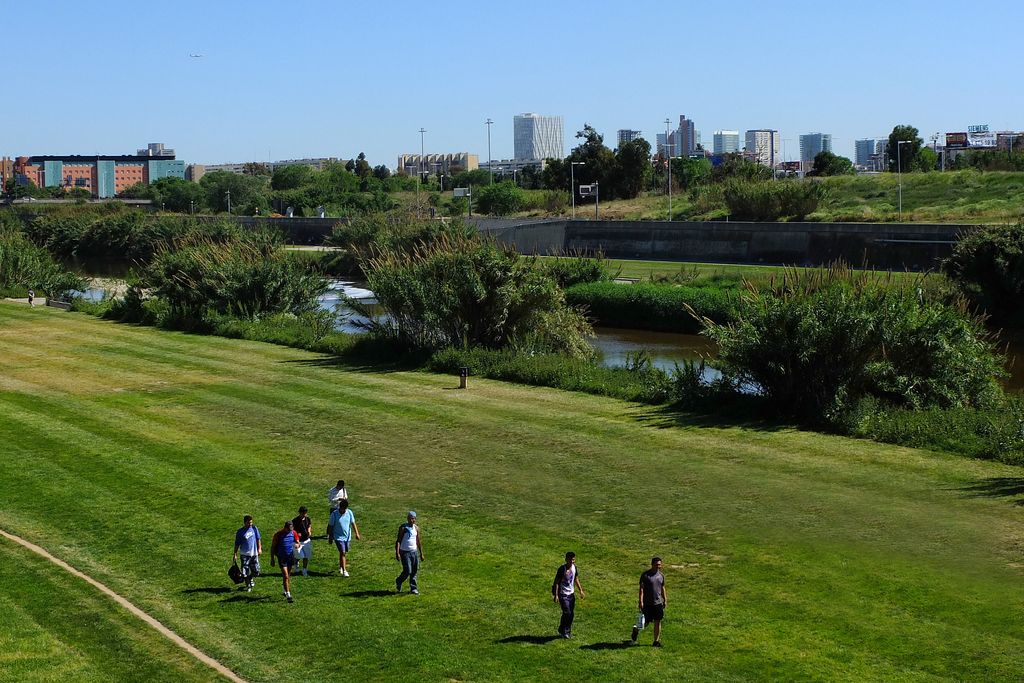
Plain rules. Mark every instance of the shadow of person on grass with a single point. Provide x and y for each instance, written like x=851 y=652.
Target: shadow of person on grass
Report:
x=996 y=487
x=217 y=589
x=533 y=640
x=368 y=594
x=619 y=645
x=246 y=597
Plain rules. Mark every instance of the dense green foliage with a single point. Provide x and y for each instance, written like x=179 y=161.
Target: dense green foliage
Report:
x=995 y=433
x=644 y=306
x=771 y=200
x=465 y=291
x=988 y=265
x=817 y=342
x=828 y=164
x=573 y=270
x=499 y=199
x=24 y=266
x=244 y=276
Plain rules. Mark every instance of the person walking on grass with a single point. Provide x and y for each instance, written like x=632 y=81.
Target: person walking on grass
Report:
x=409 y=551
x=303 y=527
x=652 y=600
x=563 y=591
x=248 y=548
x=282 y=549
x=337 y=494
x=31 y=298
x=339 y=530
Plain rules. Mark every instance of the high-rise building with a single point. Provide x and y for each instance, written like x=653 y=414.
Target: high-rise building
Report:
x=537 y=137
x=763 y=146
x=686 y=139
x=864 y=150
x=626 y=135
x=813 y=144
x=726 y=142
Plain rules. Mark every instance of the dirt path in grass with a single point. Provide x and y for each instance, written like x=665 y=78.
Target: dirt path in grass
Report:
x=160 y=628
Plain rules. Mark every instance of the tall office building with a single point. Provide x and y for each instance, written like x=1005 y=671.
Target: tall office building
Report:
x=538 y=137
x=685 y=137
x=626 y=135
x=763 y=146
x=864 y=150
x=726 y=142
x=812 y=144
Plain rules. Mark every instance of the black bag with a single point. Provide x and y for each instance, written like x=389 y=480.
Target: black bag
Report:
x=235 y=574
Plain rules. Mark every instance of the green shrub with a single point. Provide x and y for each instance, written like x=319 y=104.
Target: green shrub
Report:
x=772 y=200
x=988 y=266
x=245 y=277
x=644 y=306
x=647 y=385
x=25 y=266
x=816 y=342
x=499 y=199
x=573 y=270
x=993 y=434
x=468 y=292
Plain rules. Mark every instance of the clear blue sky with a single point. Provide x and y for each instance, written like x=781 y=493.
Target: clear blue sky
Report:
x=313 y=78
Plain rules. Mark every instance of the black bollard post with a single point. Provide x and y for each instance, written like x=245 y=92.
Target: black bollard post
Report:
x=463 y=375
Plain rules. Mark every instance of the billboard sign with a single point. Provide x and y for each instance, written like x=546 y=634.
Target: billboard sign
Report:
x=956 y=140
x=981 y=138
x=588 y=190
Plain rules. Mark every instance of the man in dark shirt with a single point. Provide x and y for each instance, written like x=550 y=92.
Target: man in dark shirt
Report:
x=652 y=600
x=303 y=524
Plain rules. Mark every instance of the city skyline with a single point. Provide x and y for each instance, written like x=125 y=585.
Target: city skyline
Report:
x=322 y=80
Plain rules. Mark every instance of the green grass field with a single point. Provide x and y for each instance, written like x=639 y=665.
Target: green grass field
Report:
x=133 y=453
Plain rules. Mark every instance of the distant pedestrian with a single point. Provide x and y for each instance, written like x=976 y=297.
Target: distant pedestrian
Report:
x=339 y=530
x=563 y=591
x=31 y=298
x=248 y=548
x=337 y=494
x=652 y=600
x=282 y=549
x=303 y=527
x=409 y=551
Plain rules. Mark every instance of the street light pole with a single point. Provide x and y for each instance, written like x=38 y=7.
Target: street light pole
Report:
x=572 y=183
x=899 y=171
x=489 y=122
x=668 y=149
x=228 y=193
x=419 y=175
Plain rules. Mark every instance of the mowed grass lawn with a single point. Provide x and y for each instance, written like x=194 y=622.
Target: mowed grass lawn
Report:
x=133 y=453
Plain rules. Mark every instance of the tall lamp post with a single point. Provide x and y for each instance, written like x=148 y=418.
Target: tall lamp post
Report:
x=489 y=122
x=419 y=175
x=899 y=171
x=572 y=183
x=228 y=196
x=668 y=149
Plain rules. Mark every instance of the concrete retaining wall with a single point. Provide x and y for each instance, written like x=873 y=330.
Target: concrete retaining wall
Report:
x=879 y=245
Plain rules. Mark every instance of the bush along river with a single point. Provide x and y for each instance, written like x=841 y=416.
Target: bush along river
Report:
x=616 y=346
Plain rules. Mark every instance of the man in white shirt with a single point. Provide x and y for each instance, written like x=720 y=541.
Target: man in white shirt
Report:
x=563 y=591
x=337 y=494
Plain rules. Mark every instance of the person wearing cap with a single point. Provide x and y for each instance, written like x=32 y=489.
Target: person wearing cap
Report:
x=282 y=548
x=303 y=527
x=409 y=551
x=339 y=531
x=248 y=548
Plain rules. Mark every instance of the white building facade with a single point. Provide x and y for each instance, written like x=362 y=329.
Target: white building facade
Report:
x=538 y=137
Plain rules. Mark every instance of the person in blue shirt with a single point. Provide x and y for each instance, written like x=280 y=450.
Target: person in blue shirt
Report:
x=248 y=548
x=282 y=549
x=339 y=531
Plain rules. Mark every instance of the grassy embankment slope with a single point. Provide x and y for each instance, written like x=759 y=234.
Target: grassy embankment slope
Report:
x=950 y=197
x=133 y=453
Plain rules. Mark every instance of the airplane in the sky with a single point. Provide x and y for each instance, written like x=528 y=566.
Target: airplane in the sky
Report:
x=192 y=54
